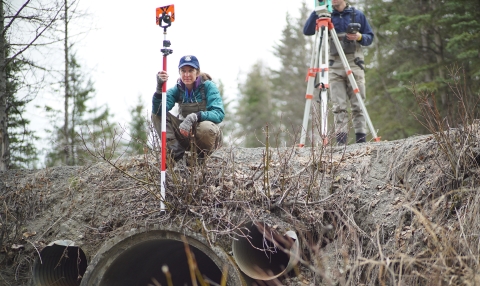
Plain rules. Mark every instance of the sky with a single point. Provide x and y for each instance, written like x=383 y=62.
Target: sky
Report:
x=122 y=51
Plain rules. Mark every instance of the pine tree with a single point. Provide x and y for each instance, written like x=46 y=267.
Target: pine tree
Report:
x=289 y=86
x=419 y=44
x=228 y=124
x=23 y=152
x=138 y=127
x=98 y=134
x=464 y=24
x=24 y=29
x=389 y=99
x=87 y=126
x=256 y=107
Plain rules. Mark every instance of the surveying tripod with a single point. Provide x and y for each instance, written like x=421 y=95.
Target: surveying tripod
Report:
x=319 y=65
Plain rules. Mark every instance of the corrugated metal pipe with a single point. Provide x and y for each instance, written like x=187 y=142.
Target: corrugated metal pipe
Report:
x=60 y=263
x=139 y=258
x=264 y=254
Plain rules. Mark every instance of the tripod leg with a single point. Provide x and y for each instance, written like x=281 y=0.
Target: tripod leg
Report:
x=353 y=83
x=324 y=122
x=323 y=62
x=312 y=72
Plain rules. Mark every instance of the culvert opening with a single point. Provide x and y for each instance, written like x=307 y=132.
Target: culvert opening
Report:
x=61 y=264
x=137 y=257
x=260 y=251
x=144 y=261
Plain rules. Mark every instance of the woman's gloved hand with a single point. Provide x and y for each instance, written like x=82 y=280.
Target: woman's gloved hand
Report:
x=162 y=77
x=186 y=125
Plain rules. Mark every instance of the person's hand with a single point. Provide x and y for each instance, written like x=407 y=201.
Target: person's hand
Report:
x=162 y=77
x=186 y=125
x=353 y=37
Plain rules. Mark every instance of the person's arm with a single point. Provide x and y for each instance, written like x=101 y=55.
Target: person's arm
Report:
x=365 y=30
x=310 y=25
x=157 y=100
x=215 y=111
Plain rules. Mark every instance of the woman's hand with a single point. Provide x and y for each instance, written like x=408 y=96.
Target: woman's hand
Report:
x=162 y=77
x=186 y=125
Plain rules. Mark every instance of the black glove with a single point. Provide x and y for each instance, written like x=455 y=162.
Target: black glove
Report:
x=160 y=83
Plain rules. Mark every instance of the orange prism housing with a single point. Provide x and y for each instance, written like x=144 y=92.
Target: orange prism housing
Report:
x=169 y=10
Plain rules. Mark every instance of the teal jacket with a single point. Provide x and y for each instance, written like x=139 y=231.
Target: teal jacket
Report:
x=214 y=111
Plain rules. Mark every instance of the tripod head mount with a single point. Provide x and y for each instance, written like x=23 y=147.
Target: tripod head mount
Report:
x=166 y=51
x=323 y=8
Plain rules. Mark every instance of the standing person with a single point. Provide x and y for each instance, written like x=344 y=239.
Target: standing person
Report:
x=341 y=90
x=200 y=111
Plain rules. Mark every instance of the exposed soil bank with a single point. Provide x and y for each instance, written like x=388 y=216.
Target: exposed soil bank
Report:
x=403 y=212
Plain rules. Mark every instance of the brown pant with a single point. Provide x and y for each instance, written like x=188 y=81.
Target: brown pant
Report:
x=206 y=137
x=342 y=96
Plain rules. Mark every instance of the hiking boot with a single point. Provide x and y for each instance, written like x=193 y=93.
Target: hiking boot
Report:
x=200 y=159
x=175 y=153
x=341 y=138
x=180 y=166
x=361 y=138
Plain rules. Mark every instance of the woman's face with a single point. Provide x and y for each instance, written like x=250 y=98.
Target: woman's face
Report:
x=188 y=74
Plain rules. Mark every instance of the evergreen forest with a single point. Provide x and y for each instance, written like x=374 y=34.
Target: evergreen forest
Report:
x=424 y=52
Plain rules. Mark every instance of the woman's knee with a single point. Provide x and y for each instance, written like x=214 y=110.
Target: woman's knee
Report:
x=207 y=134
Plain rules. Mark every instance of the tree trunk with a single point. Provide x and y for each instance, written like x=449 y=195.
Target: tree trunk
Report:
x=423 y=33
x=440 y=60
x=4 y=143
x=65 y=124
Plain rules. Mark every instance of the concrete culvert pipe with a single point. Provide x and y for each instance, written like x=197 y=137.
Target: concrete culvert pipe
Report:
x=140 y=257
x=262 y=253
x=61 y=264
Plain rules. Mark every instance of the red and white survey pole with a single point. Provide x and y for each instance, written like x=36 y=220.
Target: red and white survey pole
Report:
x=165 y=17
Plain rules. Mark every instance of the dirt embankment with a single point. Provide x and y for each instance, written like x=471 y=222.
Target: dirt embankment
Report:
x=403 y=212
